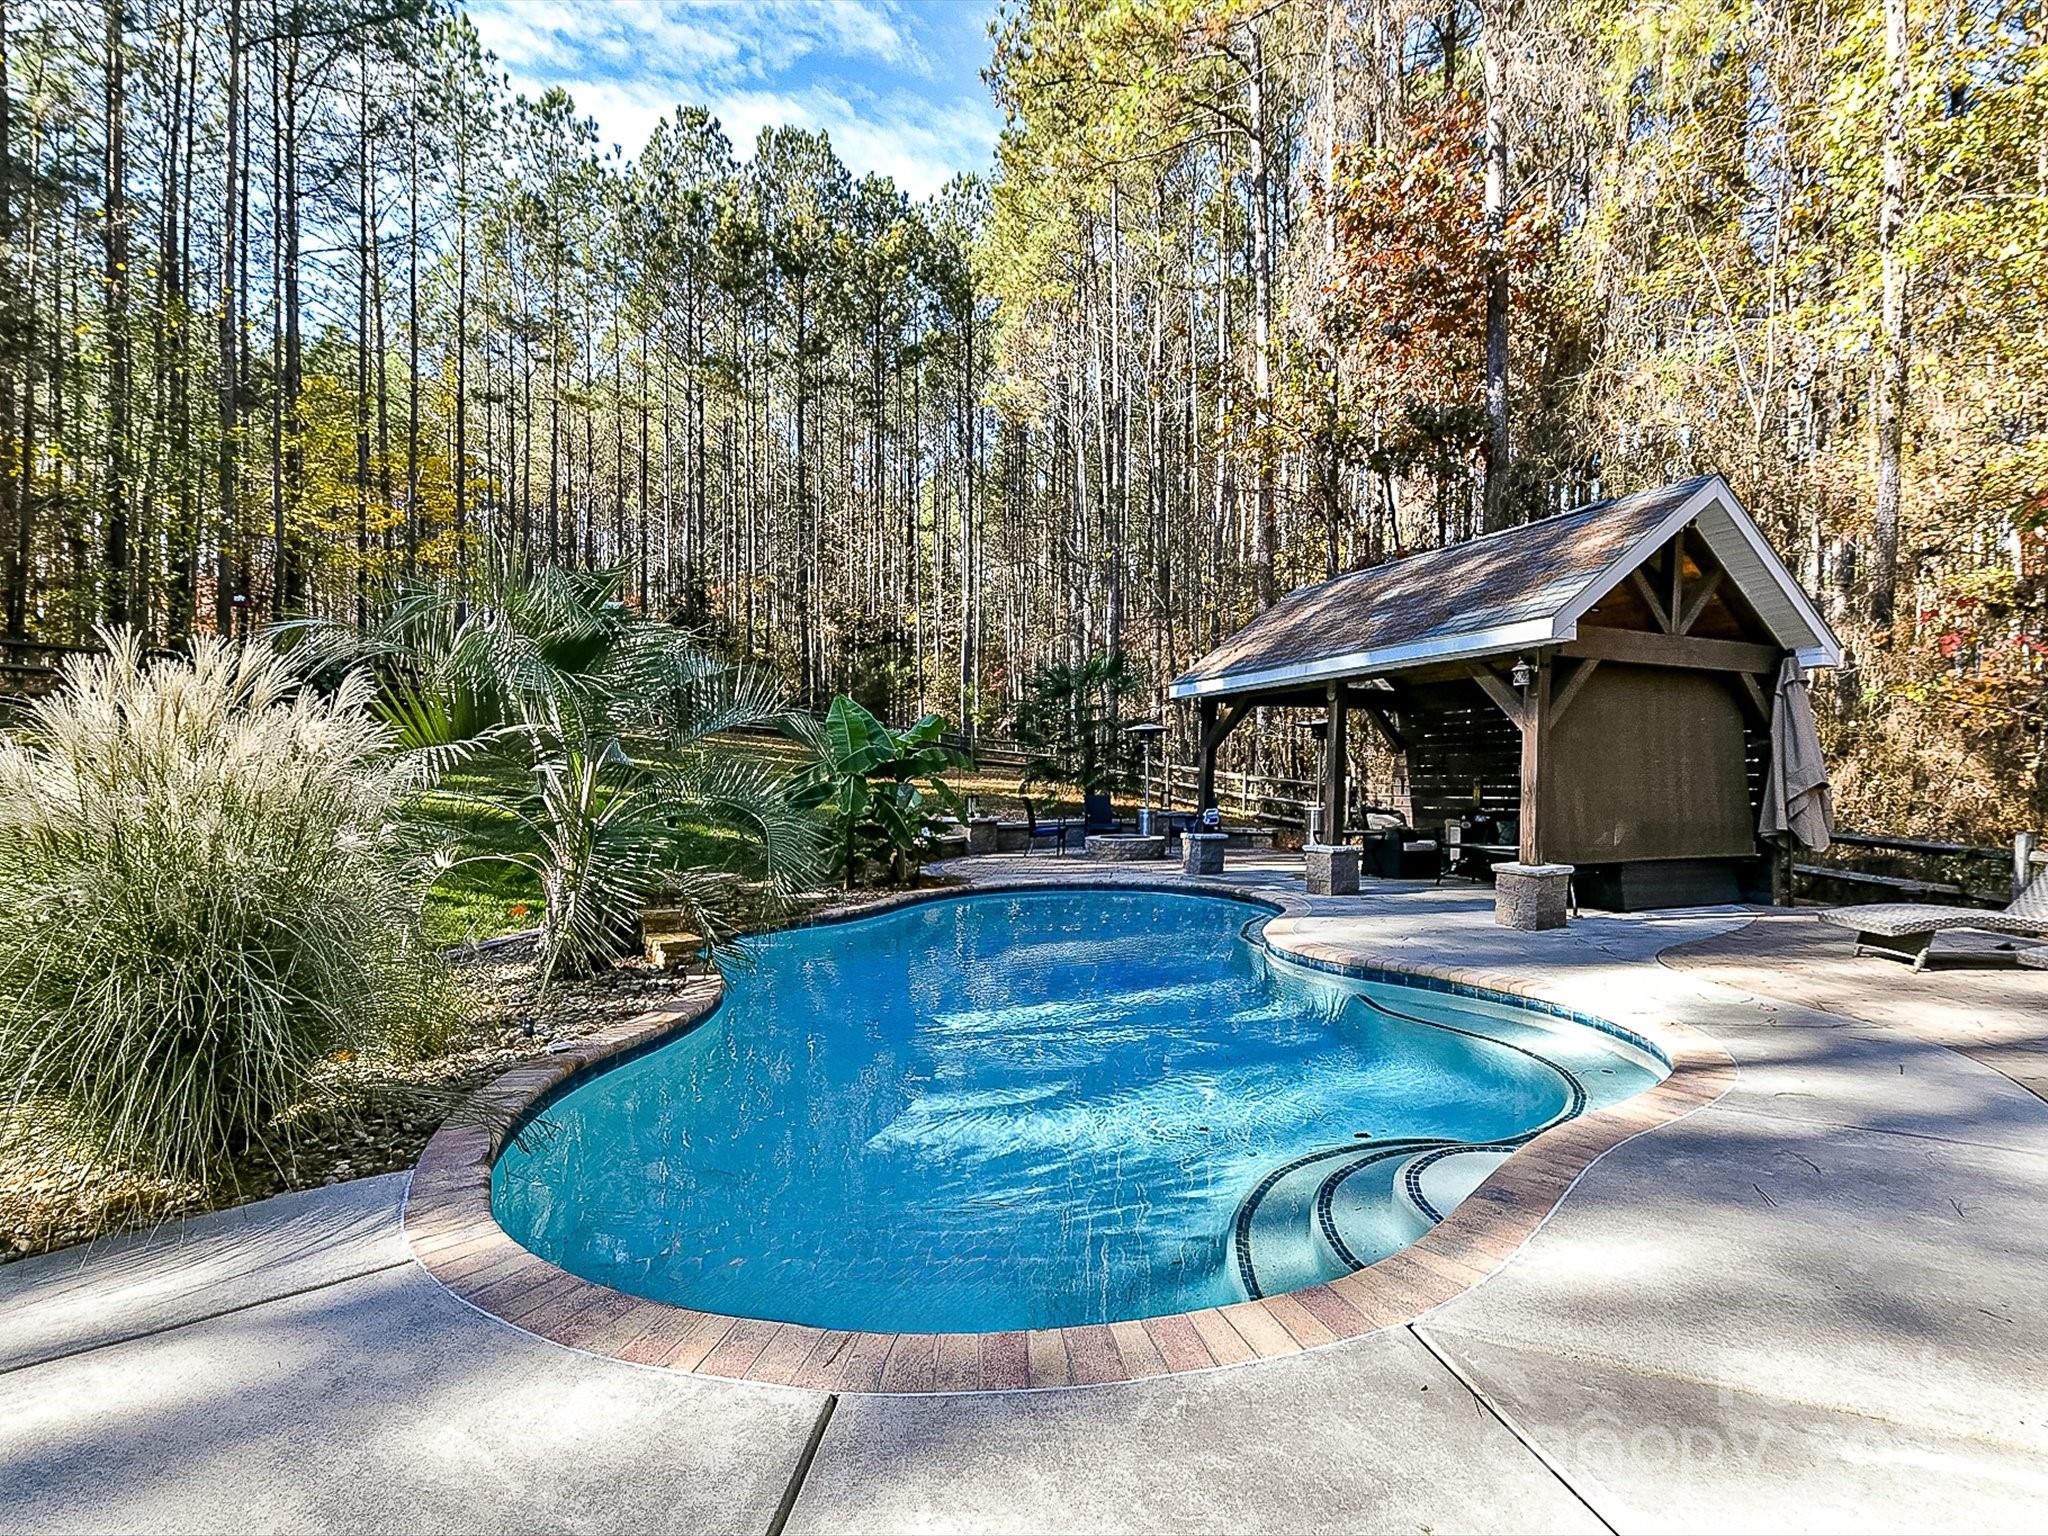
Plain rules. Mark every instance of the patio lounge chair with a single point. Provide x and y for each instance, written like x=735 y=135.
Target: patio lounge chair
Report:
x=1903 y=929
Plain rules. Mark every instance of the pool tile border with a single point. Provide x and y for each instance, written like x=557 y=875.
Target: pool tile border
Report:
x=457 y=1240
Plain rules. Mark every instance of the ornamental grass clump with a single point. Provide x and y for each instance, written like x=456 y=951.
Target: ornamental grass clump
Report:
x=203 y=905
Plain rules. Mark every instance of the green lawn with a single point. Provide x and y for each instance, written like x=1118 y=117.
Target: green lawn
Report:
x=476 y=901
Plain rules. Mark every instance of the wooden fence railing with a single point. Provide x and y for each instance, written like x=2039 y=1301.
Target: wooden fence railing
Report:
x=1868 y=866
x=28 y=668
x=1261 y=797
x=988 y=751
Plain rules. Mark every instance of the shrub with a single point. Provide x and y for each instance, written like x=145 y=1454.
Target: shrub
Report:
x=201 y=902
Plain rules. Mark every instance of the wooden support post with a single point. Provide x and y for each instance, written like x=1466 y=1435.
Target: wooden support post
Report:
x=1762 y=698
x=1217 y=722
x=1535 y=732
x=1205 y=774
x=1335 y=751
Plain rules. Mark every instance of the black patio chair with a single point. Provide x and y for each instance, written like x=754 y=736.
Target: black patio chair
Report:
x=1037 y=833
x=1098 y=815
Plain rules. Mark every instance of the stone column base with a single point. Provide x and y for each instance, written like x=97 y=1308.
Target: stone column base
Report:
x=1531 y=897
x=1332 y=869
x=981 y=834
x=1122 y=848
x=1201 y=853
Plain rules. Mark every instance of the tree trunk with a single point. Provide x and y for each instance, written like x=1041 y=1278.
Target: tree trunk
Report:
x=364 y=256
x=115 y=601
x=290 y=581
x=412 y=338
x=1266 y=533
x=1493 y=43
x=1892 y=358
x=14 y=356
x=228 y=359
x=459 y=471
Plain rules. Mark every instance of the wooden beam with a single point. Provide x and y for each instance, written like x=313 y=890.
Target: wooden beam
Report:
x=1758 y=699
x=1677 y=603
x=1571 y=688
x=1336 y=751
x=1384 y=723
x=1535 y=736
x=1650 y=599
x=1501 y=694
x=1697 y=603
x=1641 y=647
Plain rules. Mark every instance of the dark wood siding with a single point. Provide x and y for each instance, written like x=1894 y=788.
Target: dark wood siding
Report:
x=1459 y=741
x=1648 y=764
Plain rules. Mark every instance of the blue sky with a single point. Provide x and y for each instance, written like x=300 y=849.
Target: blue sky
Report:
x=895 y=82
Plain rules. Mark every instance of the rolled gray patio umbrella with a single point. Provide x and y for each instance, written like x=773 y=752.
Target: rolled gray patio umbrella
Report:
x=1796 y=794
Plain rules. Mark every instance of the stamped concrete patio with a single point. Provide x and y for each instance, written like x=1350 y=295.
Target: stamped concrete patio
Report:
x=1807 y=1305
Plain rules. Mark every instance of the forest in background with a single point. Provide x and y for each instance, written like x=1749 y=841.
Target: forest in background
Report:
x=299 y=301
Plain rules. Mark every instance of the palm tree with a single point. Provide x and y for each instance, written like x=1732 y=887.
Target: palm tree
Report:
x=1071 y=722
x=605 y=727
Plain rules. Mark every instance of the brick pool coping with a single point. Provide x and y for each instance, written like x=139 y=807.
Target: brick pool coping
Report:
x=456 y=1238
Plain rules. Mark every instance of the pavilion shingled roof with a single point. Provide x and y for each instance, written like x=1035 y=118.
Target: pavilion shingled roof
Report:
x=1443 y=601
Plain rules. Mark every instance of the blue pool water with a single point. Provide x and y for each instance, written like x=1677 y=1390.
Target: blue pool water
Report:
x=1009 y=1111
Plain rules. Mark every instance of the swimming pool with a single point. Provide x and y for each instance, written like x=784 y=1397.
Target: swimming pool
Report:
x=1040 y=1109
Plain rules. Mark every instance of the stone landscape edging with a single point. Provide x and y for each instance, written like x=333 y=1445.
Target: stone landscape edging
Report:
x=455 y=1236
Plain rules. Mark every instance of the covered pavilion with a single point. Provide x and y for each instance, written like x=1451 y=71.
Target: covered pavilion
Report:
x=1600 y=681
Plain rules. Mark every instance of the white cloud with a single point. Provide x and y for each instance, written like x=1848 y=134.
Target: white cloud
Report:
x=626 y=110
x=917 y=142
x=854 y=68
x=704 y=40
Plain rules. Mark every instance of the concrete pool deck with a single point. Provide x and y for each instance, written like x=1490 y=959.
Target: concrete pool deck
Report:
x=1807 y=1305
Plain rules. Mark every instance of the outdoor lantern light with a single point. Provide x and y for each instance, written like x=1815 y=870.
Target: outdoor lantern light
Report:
x=1524 y=674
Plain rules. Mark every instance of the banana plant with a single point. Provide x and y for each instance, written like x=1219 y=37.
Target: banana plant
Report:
x=877 y=789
